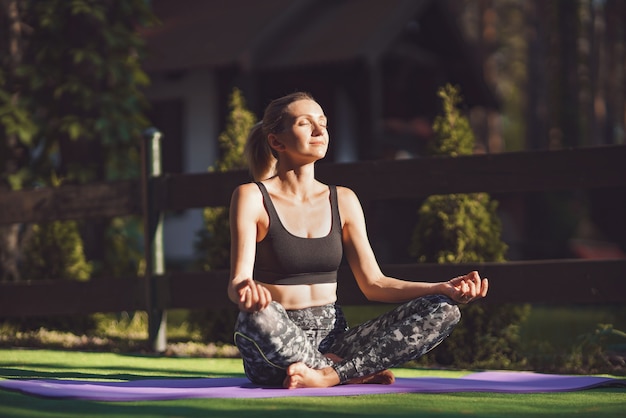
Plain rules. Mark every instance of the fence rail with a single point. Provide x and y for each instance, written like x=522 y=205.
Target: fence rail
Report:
x=580 y=168
x=551 y=281
x=561 y=281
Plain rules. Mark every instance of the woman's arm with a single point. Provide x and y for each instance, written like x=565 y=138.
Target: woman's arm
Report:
x=371 y=280
x=245 y=211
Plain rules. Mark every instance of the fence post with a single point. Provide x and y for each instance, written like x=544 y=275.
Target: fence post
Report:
x=153 y=239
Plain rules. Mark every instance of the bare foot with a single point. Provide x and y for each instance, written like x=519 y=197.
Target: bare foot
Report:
x=300 y=375
x=384 y=377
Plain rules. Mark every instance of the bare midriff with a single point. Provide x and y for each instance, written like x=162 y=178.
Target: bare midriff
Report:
x=302 y=296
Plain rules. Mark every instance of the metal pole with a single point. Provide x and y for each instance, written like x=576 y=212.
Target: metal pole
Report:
x=153 y=233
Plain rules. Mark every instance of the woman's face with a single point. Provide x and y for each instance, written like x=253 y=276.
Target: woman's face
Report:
x=305 y=132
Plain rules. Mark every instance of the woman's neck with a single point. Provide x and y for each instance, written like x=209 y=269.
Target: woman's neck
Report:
x=299 y=182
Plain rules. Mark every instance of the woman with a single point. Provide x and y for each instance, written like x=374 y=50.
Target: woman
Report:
x=288 y=233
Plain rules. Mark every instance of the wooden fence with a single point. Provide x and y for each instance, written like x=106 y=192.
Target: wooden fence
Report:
x=552 y=281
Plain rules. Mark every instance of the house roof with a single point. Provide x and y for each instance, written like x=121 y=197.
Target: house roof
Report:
x=206 y=34
x=272 y=33
x=253 y=35
x=341 y=31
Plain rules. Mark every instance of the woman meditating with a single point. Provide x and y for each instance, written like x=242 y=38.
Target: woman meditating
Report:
x=288 y=235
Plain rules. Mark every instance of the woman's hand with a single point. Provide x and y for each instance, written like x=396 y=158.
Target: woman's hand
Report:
x=253 y=297
x=464 y=289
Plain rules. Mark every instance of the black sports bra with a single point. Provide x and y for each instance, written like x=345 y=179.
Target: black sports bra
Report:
x=283 y=258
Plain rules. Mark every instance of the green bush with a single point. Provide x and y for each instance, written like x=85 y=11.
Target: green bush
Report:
x=459 y=228
x=123 y=248
x=213 y=242
x=454 y=134
x=71 y=102
x=53 y=251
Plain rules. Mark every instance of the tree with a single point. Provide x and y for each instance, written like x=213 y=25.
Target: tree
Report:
x=213 y=242
x=16 y=128
x=459 y=228
x=55 y=251
x=70 y=99
x=76 y=76
x=453 y=134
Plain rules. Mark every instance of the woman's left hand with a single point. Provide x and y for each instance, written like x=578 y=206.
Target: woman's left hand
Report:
x=465 y=289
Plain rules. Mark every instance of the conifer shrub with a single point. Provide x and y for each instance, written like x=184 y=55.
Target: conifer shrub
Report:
x=458 y=228
x=461 y=228
x=54 y=250
x=213 y=241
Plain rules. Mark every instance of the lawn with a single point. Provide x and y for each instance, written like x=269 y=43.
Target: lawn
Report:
x=14 y=363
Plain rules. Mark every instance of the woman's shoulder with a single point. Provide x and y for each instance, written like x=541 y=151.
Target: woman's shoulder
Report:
x=346 y=193
x=246 y=192
x=348 y=201
x=247 y=187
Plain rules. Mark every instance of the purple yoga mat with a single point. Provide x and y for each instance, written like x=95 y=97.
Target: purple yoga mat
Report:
x=168 y=389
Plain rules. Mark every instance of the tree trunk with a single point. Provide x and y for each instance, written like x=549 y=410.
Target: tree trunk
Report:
x=537 y=87
x=614 y=18
x=568 y=118
x=11 y=40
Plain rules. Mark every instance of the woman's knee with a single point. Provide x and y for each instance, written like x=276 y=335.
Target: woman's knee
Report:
x=445 y=309
x=264 y=321
x=452 y=312
x=257 y=366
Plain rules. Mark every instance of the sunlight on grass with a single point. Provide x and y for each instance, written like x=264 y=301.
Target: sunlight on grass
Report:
x=24 y=363
x=110 y=366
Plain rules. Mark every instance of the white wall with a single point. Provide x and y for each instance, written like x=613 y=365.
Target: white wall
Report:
x=343 y=130
x=197 y=90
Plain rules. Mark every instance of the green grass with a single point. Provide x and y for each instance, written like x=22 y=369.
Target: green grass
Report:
x=108 y=366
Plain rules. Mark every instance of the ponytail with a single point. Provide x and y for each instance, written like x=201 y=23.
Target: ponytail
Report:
x=261 y=160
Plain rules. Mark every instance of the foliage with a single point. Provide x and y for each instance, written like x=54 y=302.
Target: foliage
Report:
x=88 y=86
x=78 y=81
x=453 y=134
x=71 y=104
x=460 y=228
x=16 y=129
x=456 y=228
x=233 y=140
x=213 y=241
x=602 y=350
x=112 y=333
x=123 y=252
x=55 y=251
x=488 y=337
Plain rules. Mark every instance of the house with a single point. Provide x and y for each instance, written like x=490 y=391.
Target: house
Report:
x=374 y=65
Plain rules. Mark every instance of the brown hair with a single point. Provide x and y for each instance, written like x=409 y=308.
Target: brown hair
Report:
x=261 y=158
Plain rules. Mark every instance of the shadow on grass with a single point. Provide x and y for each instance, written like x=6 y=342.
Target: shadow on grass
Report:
x=598 y=403
x=14 y=404
x=15 y=373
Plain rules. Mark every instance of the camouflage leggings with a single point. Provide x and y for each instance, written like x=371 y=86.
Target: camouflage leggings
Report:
x=274 y=338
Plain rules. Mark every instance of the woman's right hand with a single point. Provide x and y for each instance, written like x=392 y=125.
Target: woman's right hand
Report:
x=253 y=297
x=464 y=289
